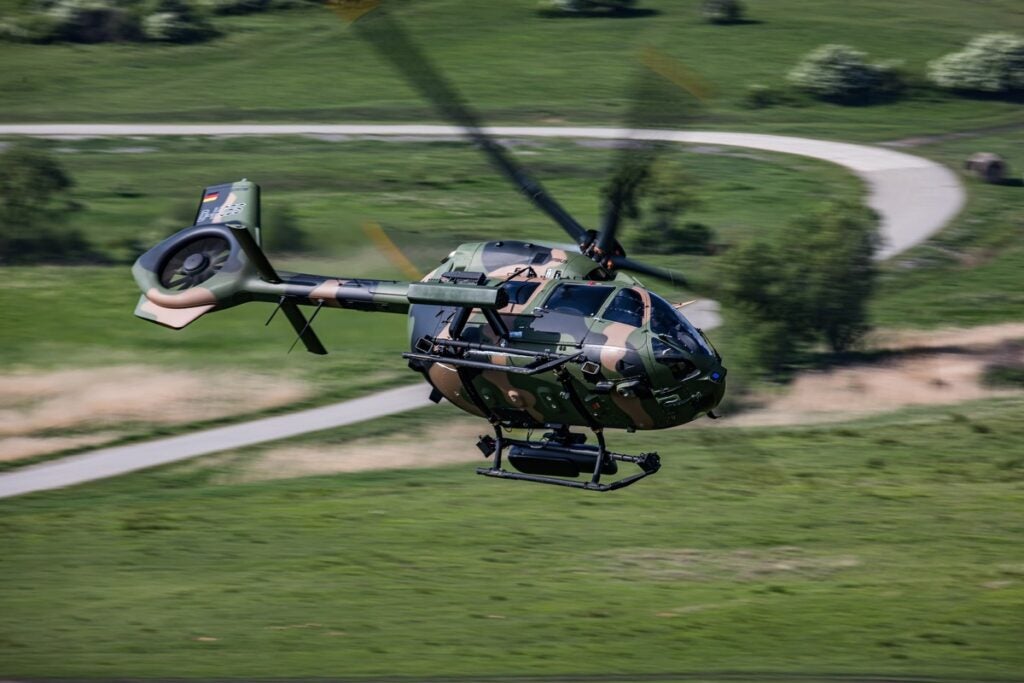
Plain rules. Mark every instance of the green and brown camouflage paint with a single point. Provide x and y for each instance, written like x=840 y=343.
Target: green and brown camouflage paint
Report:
x=626 y=384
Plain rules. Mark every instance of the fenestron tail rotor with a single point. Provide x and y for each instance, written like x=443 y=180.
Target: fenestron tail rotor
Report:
x=195 y=262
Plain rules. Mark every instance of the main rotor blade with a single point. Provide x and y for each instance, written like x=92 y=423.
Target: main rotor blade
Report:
x=622 y=191
x=388 y=38
x=623 y=263
x=664 y=93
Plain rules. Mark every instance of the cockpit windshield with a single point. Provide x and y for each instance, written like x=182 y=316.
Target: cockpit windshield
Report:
x=669 y=324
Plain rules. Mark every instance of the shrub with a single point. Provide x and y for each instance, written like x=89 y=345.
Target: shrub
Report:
x=585 y=7
x=658 y=197
x=236 y=6
x=1009 y=375
x=98 y=21
x=91 y=21
x=175 y=21
x=841 y=74
x=722 y=11
x=281 y=232
x=33 y=207
x=761 y=97
x=173 y=28
x=31 y=28
x=991 y=63
x=1006 y=370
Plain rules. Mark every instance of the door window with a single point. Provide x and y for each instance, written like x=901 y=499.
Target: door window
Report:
x=582 y=300
x=627 y=307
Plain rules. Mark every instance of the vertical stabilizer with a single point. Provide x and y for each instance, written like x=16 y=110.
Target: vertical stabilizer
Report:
x=229 y=203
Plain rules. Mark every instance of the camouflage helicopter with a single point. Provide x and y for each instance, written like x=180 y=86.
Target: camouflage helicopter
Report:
x=527 y=335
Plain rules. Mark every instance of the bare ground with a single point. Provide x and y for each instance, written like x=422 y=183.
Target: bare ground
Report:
x=45 y=412
x=937 y=367
x=450 y=443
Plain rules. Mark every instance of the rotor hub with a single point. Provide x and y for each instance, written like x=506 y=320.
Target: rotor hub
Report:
x=195 y=263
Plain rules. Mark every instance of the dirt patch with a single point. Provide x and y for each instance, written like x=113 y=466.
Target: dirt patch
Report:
x=18 y=447
x=926 y=368
x=96 y=404
x=440 y=445
x=960 y=338
x=753 y=564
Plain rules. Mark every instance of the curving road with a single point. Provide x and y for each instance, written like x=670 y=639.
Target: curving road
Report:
x=914 y=198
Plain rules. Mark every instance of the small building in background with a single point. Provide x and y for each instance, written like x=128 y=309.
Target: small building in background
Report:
x=986 y=166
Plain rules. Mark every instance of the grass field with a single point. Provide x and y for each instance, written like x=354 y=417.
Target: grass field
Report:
x=969 y=273
x=879 y=548
x=885 y=547
x=513 y=64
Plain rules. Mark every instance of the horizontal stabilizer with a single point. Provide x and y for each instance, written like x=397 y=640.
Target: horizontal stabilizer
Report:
x=175 y=318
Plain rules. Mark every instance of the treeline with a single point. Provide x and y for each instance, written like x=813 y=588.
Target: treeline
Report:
x=35 y=203
x=100 y=21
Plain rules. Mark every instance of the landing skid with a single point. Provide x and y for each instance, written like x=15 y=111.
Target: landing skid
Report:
x=559 y=455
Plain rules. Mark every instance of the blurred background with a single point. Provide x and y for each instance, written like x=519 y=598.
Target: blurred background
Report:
x=859 y=511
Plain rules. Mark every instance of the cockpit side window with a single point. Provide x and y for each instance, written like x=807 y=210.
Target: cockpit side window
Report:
x=519 y=292
x=627 y=307
x=582 y=300
x=666 y=321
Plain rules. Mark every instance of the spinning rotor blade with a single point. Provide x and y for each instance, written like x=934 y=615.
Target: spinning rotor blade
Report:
x=385 y=34
x=651 y=105
x=633 y=169
x=624 y=263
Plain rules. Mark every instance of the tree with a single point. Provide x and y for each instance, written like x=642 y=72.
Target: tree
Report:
x=33 y=209
x=813 y=284
x=175 y=21
x=92 y=21
x=722 y=11
x=991 y=63
x=657 y=196
x=839 y=73
x=837 y=246
x=281 y=231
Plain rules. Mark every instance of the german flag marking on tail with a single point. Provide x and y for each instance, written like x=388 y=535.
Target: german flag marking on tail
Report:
x=210 y=197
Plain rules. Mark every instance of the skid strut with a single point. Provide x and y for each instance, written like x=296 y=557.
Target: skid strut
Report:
x=562 y=454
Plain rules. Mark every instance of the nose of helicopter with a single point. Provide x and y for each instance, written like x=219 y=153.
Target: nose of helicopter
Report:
x=715 y=387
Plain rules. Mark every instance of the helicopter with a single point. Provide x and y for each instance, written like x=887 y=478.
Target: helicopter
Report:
x=527 y=335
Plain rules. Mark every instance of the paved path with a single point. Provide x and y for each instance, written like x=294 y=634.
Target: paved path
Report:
x=109 y=462
x=915 y=198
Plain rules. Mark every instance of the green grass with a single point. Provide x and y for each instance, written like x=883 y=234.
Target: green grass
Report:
x=514 y=65
x=889 y=547
x=884 y=547
x=430 y=196
x=970 y=273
